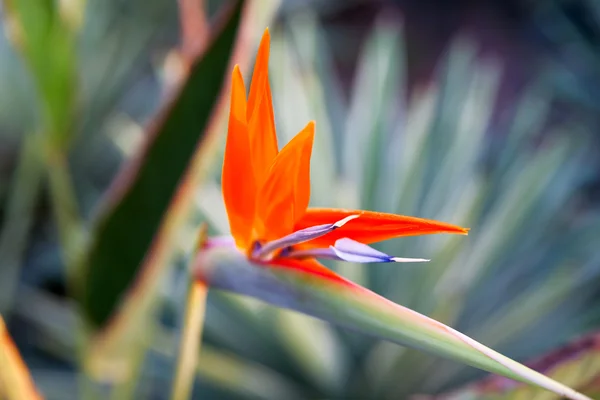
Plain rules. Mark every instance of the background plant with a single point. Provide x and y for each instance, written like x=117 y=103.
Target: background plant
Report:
x=528 y=268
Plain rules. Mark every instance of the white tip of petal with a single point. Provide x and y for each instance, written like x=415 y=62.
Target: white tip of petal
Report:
x=406 y=260
x=342 y=222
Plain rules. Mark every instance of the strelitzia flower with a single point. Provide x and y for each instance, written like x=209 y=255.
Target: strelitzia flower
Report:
x=266 y=192
x=276 y=240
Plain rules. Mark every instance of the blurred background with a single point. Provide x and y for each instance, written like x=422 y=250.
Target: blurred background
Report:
x=480 y=113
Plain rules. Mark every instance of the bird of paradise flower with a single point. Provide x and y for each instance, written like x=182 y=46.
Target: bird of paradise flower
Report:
x=266 y=193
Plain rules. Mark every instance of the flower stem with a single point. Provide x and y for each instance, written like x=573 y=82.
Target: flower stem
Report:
x=191 y=339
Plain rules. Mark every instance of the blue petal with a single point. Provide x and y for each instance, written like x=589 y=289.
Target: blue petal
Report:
x=352 y=251
x=297 y=237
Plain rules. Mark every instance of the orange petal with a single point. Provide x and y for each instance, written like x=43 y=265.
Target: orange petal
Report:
x=283 y=198
x=15 y=380
x=239 y=188
x=260 y=117
x=309 y=265
x=370 y=226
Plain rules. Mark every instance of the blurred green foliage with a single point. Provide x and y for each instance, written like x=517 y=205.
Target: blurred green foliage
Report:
x=529 y=265
x=524 y=281
x=128 y=229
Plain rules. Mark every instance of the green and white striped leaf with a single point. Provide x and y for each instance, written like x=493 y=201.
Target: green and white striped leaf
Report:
x=346 y=304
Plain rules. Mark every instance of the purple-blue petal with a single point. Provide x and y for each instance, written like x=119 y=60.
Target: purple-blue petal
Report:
x=352 y=251
x=301 y=236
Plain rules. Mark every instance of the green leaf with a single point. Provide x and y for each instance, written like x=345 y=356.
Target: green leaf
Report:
x=23 y=195
x=233 y=374
x=141 y=197
x=344 y=303
x=577 y=363
x=47 y=44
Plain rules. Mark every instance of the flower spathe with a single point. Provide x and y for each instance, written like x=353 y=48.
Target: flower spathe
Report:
x=266 y=191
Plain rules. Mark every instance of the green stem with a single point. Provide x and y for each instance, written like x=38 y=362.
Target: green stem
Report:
x=126 y=389
x=72 y=237
x=70 y=227
x=23 y=194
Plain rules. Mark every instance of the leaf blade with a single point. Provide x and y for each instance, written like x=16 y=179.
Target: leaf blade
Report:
x=142 y=193
x=341 y=302
x=577 y=362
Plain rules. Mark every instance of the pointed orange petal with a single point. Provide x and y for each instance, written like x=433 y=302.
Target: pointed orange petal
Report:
x=260 y=116
x=239 y=188
x=309 y=265
x=263 y=140
x=15 y=380
x=283 y=198
x=370 y=226
x=260 y=76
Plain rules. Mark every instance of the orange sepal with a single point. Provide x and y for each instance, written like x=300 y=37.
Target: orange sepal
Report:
x=370 y=226
x=260 y=116
x=310 y=266
x=284 y=196
x=239 y=187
